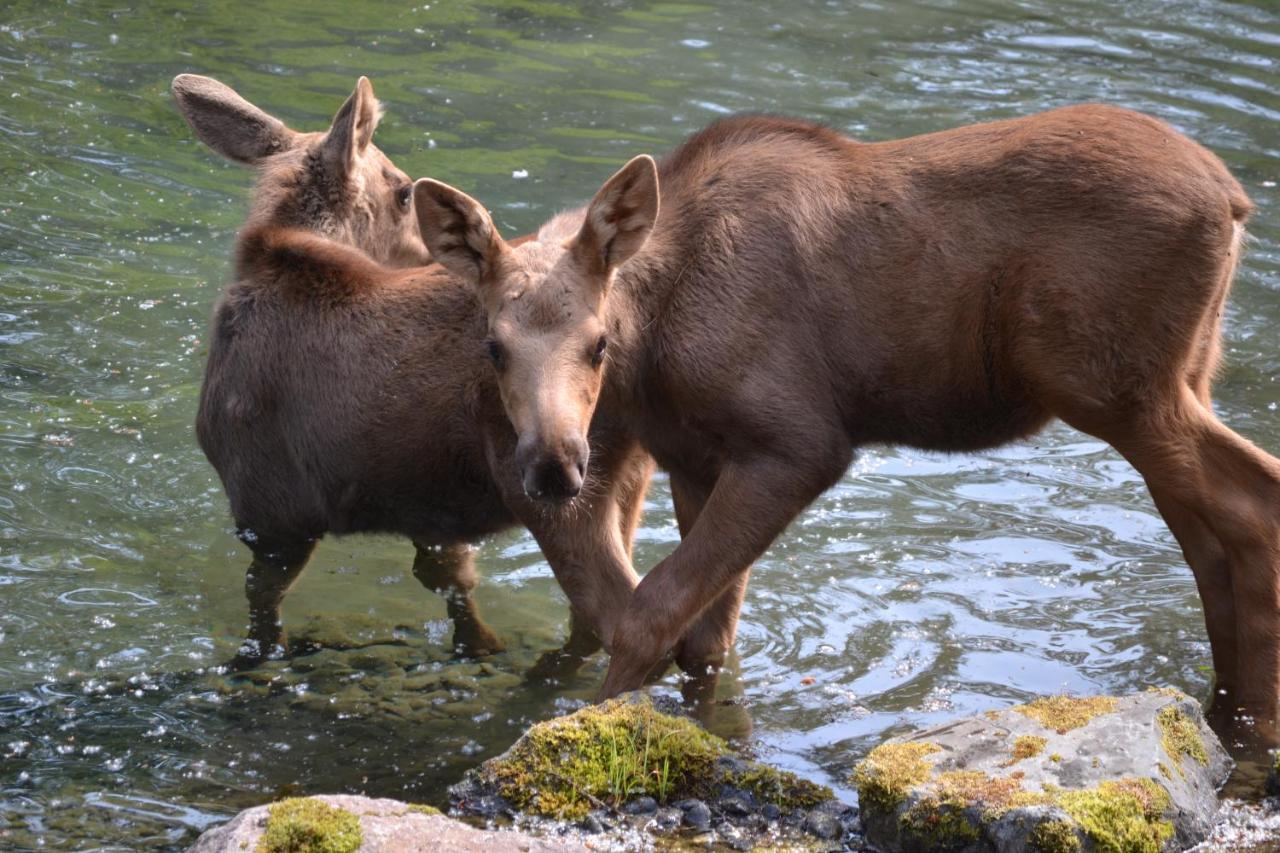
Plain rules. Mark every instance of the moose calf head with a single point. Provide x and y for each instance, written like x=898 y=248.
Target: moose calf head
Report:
x=336 y=183
x=546 y=304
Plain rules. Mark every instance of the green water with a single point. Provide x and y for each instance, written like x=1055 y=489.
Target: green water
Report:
x=920 y=589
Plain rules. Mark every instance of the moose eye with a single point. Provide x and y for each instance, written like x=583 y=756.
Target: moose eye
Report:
x=403 y=195
x=495 y=353
x=597 y=355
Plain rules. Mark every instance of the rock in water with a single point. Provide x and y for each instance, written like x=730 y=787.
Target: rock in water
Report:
x=350 y=824
x=626 y=750
x=1062 y=773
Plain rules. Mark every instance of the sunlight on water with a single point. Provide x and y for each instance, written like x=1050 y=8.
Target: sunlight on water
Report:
x=920 y=589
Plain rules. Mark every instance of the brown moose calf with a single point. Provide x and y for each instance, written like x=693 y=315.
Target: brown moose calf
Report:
x=802 y=294
x=342 y=395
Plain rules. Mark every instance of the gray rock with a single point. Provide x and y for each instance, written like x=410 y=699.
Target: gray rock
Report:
x=640 y=806
x=734 y=837
x=668 y=819
x=736 y=802
x=386 y=826
x=1003 y=780
x=697 y=815
x=824 y=825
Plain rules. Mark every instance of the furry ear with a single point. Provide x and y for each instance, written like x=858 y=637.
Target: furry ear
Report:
x=228 y=123
x=458 y=230
x=352 y=129
x=620 y=217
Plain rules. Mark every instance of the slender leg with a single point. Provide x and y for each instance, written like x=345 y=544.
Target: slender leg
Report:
x=751 y=503
x=587 y=554
x=1199 y=468
x=274 y=570
x=703 y=648
x=634 y=479
x=450 y=571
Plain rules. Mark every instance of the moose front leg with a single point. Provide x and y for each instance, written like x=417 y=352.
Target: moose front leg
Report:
x=276 y=566
x=703 y=648
x=450 y=571
x=588 y=556
x=750 y=505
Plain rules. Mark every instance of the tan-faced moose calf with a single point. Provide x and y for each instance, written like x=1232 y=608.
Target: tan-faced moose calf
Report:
x=342 y=395
x=802 y=293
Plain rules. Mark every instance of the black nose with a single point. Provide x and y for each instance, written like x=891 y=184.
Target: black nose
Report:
x=556 y=476
x=553 y=481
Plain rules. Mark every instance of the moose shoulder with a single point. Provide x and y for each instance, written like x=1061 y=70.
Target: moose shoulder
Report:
x=801 y=294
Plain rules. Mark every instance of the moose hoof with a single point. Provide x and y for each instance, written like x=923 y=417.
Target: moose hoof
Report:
x=480 y=644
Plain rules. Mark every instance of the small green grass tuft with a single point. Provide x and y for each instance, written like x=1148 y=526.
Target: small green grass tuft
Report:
x=890 y=770
x=608 y=753
x=1180 y=737
x=306 y=825
x=1064 y=713
x=1125 y=815
x=422 y=808
x=1028 y=746
x=1054 y=836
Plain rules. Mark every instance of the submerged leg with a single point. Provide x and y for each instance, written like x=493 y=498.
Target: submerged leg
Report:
x=450 y=571
x=275 y=567
x=751 y=503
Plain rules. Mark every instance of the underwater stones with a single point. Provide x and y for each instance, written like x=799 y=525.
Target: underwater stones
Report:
x=347 y=824
x=1063 y=773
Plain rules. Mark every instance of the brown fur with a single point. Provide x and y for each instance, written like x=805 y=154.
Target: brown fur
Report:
x=802 y=294
x=343 y=396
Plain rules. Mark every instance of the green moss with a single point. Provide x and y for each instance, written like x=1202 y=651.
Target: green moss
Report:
x=1180 y=737
x=1054 y=836
x=1028 y=746
x=1064 y=713
x=305 y=825
x=939 y=825
x=421 y=808
x=1125 y=816
x=785 y=790
x=1056 y=758
x=608 y=753
x=890 y=770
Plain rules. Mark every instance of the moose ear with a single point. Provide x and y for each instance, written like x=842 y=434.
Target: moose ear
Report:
x=228 y=123
x=620 y=216
x=457 y=229
x=352 y=129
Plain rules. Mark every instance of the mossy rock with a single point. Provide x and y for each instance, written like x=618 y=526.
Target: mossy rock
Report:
x=306 y=825
x=1137 y=773
x=604 y=755
x=344 y=823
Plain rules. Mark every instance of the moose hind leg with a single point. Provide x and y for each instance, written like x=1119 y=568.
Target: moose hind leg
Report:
x=1219 y=494
x=450 y=571
x=276 y=566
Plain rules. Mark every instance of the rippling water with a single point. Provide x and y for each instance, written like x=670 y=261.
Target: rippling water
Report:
x=921 y=588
